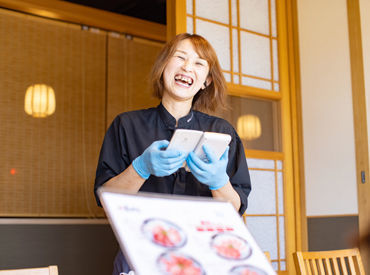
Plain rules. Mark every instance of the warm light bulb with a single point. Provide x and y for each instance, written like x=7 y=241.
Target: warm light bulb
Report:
x=249 y=127
x=39 y=100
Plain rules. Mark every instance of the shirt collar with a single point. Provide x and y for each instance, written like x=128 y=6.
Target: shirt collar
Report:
x=170 y=121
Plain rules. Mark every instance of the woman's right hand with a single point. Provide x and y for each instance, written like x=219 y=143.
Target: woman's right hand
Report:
x=157 y=161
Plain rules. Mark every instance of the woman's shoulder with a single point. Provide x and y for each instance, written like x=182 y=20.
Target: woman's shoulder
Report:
x=135 y=114
x=131 y=118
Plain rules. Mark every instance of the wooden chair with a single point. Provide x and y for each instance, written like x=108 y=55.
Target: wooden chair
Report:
x=50 y=270
x=334 y=262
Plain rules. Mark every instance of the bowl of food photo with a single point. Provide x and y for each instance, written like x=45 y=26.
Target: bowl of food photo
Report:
x=230 y=246
x=246 y=270
x=176 y=263
x=163 y=233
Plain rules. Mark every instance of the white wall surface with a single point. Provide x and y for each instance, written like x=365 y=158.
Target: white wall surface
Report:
x=365 y=32
x=329 y=152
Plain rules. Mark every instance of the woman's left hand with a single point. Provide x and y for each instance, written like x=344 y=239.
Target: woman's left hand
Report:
x=212 y=173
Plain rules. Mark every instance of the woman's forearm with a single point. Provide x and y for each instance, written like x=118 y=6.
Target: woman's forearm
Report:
x=129 y=180
x=228 y=193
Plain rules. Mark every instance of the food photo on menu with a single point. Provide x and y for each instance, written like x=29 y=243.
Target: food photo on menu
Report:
x=230 y=246
x=208 y=238
x=163 y=233
x=176 y=263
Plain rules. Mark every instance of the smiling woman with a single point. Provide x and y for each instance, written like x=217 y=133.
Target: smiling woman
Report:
x=186 y=77
x=183 y=77
x=185 y=74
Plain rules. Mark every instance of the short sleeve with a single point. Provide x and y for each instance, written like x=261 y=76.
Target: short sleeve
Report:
x=113 y=157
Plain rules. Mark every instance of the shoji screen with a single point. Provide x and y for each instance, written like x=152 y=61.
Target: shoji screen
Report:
x=265 y=215
x=244 y=34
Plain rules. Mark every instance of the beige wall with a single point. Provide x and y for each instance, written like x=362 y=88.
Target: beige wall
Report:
x=329 y=154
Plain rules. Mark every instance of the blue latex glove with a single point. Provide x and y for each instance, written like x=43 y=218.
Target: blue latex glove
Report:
x=212 y=173
x=157 y=161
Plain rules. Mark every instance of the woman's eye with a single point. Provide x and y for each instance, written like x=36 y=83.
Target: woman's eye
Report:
x=199 y=63
x=180 y=57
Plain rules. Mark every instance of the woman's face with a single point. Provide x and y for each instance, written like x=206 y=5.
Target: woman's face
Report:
x=185 y=73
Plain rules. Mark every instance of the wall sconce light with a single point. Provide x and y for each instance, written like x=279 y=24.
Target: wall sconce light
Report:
x=39 y=101
x=249 y=127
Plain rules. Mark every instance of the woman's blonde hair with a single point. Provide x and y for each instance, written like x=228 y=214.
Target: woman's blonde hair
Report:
x=215 y=92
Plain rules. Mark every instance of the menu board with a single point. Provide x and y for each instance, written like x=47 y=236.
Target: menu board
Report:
x=175 y=235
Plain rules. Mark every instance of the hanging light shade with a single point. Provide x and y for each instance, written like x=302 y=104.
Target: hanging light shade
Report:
x=249 y=127
x=39 y=100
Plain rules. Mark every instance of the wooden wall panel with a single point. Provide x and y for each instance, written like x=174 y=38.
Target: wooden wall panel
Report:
x=95 y=75
x=54 y=157
x=129 y=65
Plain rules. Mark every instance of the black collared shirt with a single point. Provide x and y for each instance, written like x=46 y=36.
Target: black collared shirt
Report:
x=132 y=132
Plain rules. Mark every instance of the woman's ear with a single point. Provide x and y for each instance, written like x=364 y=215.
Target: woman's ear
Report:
x=207 y=82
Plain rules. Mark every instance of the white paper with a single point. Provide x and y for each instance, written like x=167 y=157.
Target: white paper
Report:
x=172 y=235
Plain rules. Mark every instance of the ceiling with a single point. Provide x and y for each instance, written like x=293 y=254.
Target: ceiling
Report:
x=151 y=10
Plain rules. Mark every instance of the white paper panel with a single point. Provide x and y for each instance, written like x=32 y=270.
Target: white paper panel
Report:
x=248 y=81
x=234 y=13
x=236 y=79
x=275 y=59
x=255 y=55
x=217 y=10
x=282 y=265
x=263 y=198
x=189 y=24
x=279 y=165
x=235 y=51
x=276 y=87
x=219 y=38
x=273 y=19
x=274 y=265
x=254 y=15
x=189 y=7
x=263 y=229
x=261 y=163
x=282 y=237
x=227 y=77
x=280 y=192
